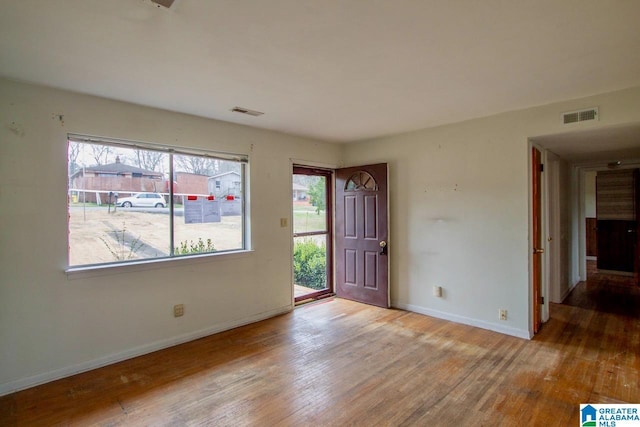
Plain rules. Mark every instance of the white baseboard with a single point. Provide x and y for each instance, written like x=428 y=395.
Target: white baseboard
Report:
x=68 y=371
x=507 y=330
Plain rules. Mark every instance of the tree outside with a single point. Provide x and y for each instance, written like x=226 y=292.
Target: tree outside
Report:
x=318 y=194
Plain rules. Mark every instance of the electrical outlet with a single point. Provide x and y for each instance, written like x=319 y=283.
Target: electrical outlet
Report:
x=502 y=314
x=178 y=310
x=283 y=222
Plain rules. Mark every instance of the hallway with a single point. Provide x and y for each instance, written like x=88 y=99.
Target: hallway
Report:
x=598 y=326
x=607 y=293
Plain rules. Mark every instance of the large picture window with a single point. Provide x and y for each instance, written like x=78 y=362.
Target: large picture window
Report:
x=132 y=201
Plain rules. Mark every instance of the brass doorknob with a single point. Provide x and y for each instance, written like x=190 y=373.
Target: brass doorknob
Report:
x=538 y=250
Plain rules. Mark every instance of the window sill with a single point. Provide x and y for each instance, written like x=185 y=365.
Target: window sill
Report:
x=151 y=264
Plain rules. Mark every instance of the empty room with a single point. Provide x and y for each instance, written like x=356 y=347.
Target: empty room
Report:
x=239 y=213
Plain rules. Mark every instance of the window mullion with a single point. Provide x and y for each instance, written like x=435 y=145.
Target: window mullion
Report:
x=171 y=207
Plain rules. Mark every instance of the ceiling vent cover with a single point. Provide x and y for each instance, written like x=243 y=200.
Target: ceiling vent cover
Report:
x=247 y=111
x=164 y=3
x=580 y=116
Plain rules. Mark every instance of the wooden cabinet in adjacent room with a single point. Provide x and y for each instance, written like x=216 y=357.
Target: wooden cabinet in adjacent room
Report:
x=616 y=219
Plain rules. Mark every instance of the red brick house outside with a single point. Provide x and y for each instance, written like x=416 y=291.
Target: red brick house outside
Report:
x=94 y=183
x=190 y=183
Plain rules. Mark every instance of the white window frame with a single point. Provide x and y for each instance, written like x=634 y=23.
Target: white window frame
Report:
x=243 y=159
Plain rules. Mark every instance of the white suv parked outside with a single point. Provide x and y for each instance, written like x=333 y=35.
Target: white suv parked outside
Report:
x=145 y=200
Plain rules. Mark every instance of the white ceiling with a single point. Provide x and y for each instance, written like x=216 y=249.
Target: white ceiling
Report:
x=337 y=70
x=615 y=143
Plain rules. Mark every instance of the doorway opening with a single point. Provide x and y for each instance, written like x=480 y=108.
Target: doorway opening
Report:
x=573 y=226
x=312 y=232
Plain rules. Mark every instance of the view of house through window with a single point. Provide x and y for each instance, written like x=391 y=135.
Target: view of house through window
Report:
x=128 y=202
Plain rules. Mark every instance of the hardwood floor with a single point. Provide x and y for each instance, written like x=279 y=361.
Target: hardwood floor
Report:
x=342 y=363
x=610 y=293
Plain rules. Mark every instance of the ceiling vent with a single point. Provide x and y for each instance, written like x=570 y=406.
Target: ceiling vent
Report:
x=247 y=111
x=580 y=116
x=163 y=3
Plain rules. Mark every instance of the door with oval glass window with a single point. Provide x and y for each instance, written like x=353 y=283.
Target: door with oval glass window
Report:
x=361 y=234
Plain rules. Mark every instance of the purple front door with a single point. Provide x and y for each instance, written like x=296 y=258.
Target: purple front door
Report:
x=362 y=262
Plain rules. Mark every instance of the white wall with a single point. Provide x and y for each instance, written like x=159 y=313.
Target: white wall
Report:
x=560 y=283
x=459 y=199
x=460 y=209
x=52 y=325
x=566 y=258
x=590 y=194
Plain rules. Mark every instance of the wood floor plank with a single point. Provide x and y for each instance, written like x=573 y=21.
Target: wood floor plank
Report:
x=342 y=363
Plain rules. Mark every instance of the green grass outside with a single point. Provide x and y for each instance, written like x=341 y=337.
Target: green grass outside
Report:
x=305 y=219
